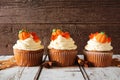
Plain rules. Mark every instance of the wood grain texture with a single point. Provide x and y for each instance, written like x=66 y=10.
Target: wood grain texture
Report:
x=79 y=17
x=59 y=11
x=67 y=73
x=104 y=73
x=18 y=73
x=60 y=73
x=60 y=15
x=28 y=73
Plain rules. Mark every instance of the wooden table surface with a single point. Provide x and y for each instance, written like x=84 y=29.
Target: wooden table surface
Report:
x=60 y=73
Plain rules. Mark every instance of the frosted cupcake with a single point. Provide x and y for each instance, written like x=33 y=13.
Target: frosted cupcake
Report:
x=28 y=50
x=98 y=50
x=62 y=48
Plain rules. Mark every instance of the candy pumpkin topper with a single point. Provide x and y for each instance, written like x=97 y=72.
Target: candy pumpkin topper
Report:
x=100 y=37
x=24 y=34
x=57 y=32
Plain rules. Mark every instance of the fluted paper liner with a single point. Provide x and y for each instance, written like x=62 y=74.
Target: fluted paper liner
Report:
x=28 y=58
x=63 y=57
x=99 y=58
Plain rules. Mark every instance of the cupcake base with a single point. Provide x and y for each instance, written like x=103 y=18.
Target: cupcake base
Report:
x=28 y=58
x=99 y=58
x=63 y=57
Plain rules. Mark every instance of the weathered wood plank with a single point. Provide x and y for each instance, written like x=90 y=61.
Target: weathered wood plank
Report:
x=38 y=11
x=106 y=73
x=117 y=56
x=29 y=73
x=61 y=73
x=68 y=73
x=58 y=73
x=23 y=15
x=61 y=15
x=111 y=73
x=13 y=73
x=57 y=3
x=18 y=73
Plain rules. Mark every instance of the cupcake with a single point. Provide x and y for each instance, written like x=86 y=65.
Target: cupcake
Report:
x=62 y=48
x=28 y=50
x=98 y=50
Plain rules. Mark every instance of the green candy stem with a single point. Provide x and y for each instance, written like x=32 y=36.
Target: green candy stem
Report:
x=54 y=30
x=23 y=30
x=102 y=32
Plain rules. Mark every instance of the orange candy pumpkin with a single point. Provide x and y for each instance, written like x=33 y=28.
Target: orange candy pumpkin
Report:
x=57 y=32
x=23 y=34
x=100 y=37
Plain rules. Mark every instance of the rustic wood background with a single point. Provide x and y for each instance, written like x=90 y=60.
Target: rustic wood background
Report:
x=79 y=17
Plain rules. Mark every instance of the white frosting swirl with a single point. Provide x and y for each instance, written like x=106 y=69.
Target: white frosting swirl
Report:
x=28 y=44
x=62 y=43
x=94 y=45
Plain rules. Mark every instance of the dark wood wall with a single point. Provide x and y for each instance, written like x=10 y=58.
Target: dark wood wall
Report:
x=79 y=17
